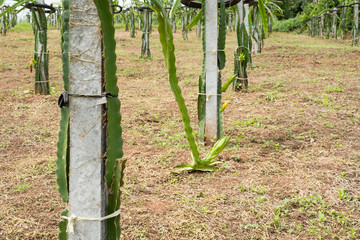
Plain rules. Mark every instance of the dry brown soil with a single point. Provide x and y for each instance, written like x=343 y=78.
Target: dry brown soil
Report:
x=290 y=171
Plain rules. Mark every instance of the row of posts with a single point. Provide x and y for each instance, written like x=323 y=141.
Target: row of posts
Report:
x=8 y=20
x=327 y=23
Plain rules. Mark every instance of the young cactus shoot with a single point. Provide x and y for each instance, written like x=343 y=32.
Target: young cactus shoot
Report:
x=166 y=38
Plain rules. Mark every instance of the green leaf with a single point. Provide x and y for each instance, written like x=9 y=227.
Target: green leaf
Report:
x=113 y=169
x=228 y=82
x=195 y=20
x=201 y=107
x=12 y=7
x=174 y=7
x=263 y=16
x=62 y=155
x=184 y=167
x=215 y=151
x=167 y=43
x=190 y=168
x=222 y=37
x=63 y=226
x=62 y=162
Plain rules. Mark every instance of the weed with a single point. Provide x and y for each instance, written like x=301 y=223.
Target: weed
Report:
x=334 y=89
x=272 y=97
x=22 y=187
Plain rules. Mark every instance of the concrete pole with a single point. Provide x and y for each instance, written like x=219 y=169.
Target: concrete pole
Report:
x=132 y=24
x=269 y=24
x=322 y=27
x=87 y=132
x=198 y=29
x=256 y=34
x=41 y=47
x=334 y=26
x=327 y=25
x=139 y=20
x=241 y=12
x=356 y=24
x=246 y=18
x=343 y=30
x=211 y=69
x=3 y=26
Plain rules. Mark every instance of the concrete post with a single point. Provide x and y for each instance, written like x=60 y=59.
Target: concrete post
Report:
x=87 y=191
x=327 y=25
x=240 y=13
x=322 y=27
x=269 y=24
x=198 y=29
x=211 y=69
x=139 y=21
x=255 y=30
x=246 y=18
x=334 y=23
x=356 y=24
x=132 y=24
x=343 y=21
x=42 y=86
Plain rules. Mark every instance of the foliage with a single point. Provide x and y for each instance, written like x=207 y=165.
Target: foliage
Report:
x=287 y=25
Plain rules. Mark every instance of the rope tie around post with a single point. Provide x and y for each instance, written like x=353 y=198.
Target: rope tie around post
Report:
x=73 y=219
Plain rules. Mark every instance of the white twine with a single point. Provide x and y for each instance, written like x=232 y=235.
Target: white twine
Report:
x=214 y=51
x=208 y=95
x=71 y=220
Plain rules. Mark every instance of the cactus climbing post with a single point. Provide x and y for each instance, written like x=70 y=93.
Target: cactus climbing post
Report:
x=327 y=22
x=246 y=18
x=334 y=23
x=184 y=21
x=356 y=24
x=198 y=29
x=41 y=55
x=211 y=69
x=87 y=132
x=322 y=26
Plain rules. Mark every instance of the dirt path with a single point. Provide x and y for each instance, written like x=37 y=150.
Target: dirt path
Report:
x=291 y=170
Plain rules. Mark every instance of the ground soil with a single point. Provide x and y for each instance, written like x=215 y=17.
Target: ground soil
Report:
x=290 y=171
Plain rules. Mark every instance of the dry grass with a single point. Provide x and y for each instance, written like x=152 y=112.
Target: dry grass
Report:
x=291 y=170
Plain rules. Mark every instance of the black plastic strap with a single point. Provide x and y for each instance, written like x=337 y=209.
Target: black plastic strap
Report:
x=143 y=8
x=194 y=4
x=355 y=3
x=253 y=3
x=116 y=6
x=44 y=6
x=63 y=100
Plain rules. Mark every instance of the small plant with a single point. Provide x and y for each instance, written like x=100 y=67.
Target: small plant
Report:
x=334 y=89
x=22 y=187
x=343 y=194
x=166 y=38
x=272 y=97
